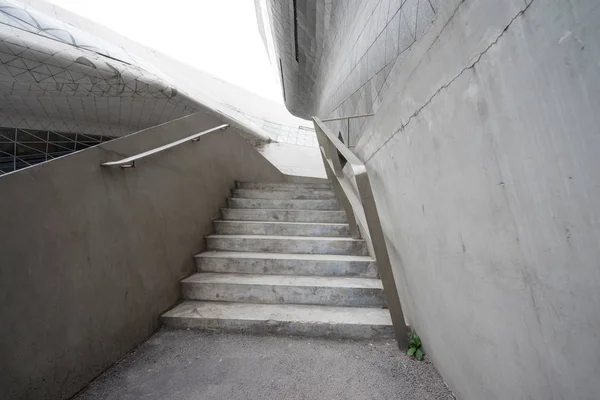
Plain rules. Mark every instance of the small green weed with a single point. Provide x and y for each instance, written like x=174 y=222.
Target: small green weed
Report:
x=415 y=348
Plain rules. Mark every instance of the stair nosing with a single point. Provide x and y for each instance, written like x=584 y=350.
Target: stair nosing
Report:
x=284 y=184
x=281 y=209
x=284 y=292
x=376 y=312
x=279 y=222
x=284 y=237
x=282 y=256
x=241 y=279
x=287 y=191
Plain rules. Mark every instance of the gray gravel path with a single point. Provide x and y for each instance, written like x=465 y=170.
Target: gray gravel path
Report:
x=185 y=364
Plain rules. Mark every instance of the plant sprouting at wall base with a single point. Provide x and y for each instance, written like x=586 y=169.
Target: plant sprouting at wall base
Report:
x=415 y=348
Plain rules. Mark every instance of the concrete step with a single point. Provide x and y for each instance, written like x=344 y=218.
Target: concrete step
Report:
x=286 y=289
x=283 y=319
x=287 y=244
x=280 y=228
x=286 y=264
x=296 y=194
x=248 y=214
x=329 y=204
x=283 y=186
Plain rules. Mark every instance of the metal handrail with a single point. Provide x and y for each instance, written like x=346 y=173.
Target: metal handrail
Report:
x=353 y=199
x=363 y=208
x=357 y=165
x=129 y=162
x=347 y=118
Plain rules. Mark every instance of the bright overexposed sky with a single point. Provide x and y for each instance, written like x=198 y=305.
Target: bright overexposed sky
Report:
x=217 y=36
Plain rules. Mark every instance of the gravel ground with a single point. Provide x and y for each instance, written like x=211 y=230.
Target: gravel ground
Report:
x=186 y=364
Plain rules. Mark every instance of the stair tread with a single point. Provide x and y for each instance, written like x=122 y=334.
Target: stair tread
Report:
x=281 y=312
x=234 y=221
x=280 y=215
x=290 y=192
x=284 y=284
x=284 y=280
x=278 y=189
x=296 y=210
x=249 y=199
x=287 y=184
x=320 y=204
x=284 y=256
x=270 y=237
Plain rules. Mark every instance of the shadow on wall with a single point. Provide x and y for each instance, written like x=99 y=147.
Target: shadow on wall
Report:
x=90 y=256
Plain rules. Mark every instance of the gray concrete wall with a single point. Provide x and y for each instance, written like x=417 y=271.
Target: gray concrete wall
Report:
x=91 y=256
x=484 y=160
x=349 y=52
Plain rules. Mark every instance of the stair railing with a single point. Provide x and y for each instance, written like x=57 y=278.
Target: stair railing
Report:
x=129 y=162
x=363 y=218
x=347 y=124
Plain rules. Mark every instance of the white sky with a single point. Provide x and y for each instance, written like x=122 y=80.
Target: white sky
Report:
x=217 y=36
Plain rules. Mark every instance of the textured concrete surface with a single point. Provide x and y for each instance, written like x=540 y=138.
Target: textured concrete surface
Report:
x=280 y=228
x=484 y=161
x=247 y=214
x=282 y=319
x=298 y=194
x=273 y=204
x=245 y=293
x=286 y=263
x=294 y=160
x=91 y=256
x=348 y=52
x=283 y=186
x=176 y=365
x=289 y=289
x=483 y=155
x=287 y=244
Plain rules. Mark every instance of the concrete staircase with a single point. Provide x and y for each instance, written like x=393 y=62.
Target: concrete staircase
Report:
x=282 y=261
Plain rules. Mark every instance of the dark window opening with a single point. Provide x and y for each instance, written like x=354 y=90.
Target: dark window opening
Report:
x=282 y=82
x=343 y=161
x=296 y=31
x=20 y=148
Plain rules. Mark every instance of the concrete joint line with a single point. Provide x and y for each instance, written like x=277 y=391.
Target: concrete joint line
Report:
x=376 y=73
x=443 y=28
x=446 y=85
x=418 y=65
x=369 y=80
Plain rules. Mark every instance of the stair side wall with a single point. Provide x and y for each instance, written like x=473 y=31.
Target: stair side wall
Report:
x=91 y=256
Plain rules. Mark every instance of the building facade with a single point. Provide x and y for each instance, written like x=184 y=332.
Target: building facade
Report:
x=339 y=58
x=63 y=89
x=482 y=152
x=67 y=83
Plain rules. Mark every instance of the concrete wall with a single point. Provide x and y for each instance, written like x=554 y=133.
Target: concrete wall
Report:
x=484 y=160
x=349 y=52
x=91 y=256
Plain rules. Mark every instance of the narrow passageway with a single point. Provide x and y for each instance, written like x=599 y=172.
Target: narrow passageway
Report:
x=194 y=365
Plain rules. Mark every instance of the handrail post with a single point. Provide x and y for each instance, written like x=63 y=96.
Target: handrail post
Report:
x=339 y=192
x=330 y=146
x=348 y=136
x=383 y=260
x=335 y=159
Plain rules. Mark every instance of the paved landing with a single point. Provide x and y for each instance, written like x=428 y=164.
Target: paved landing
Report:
x=193 y=365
